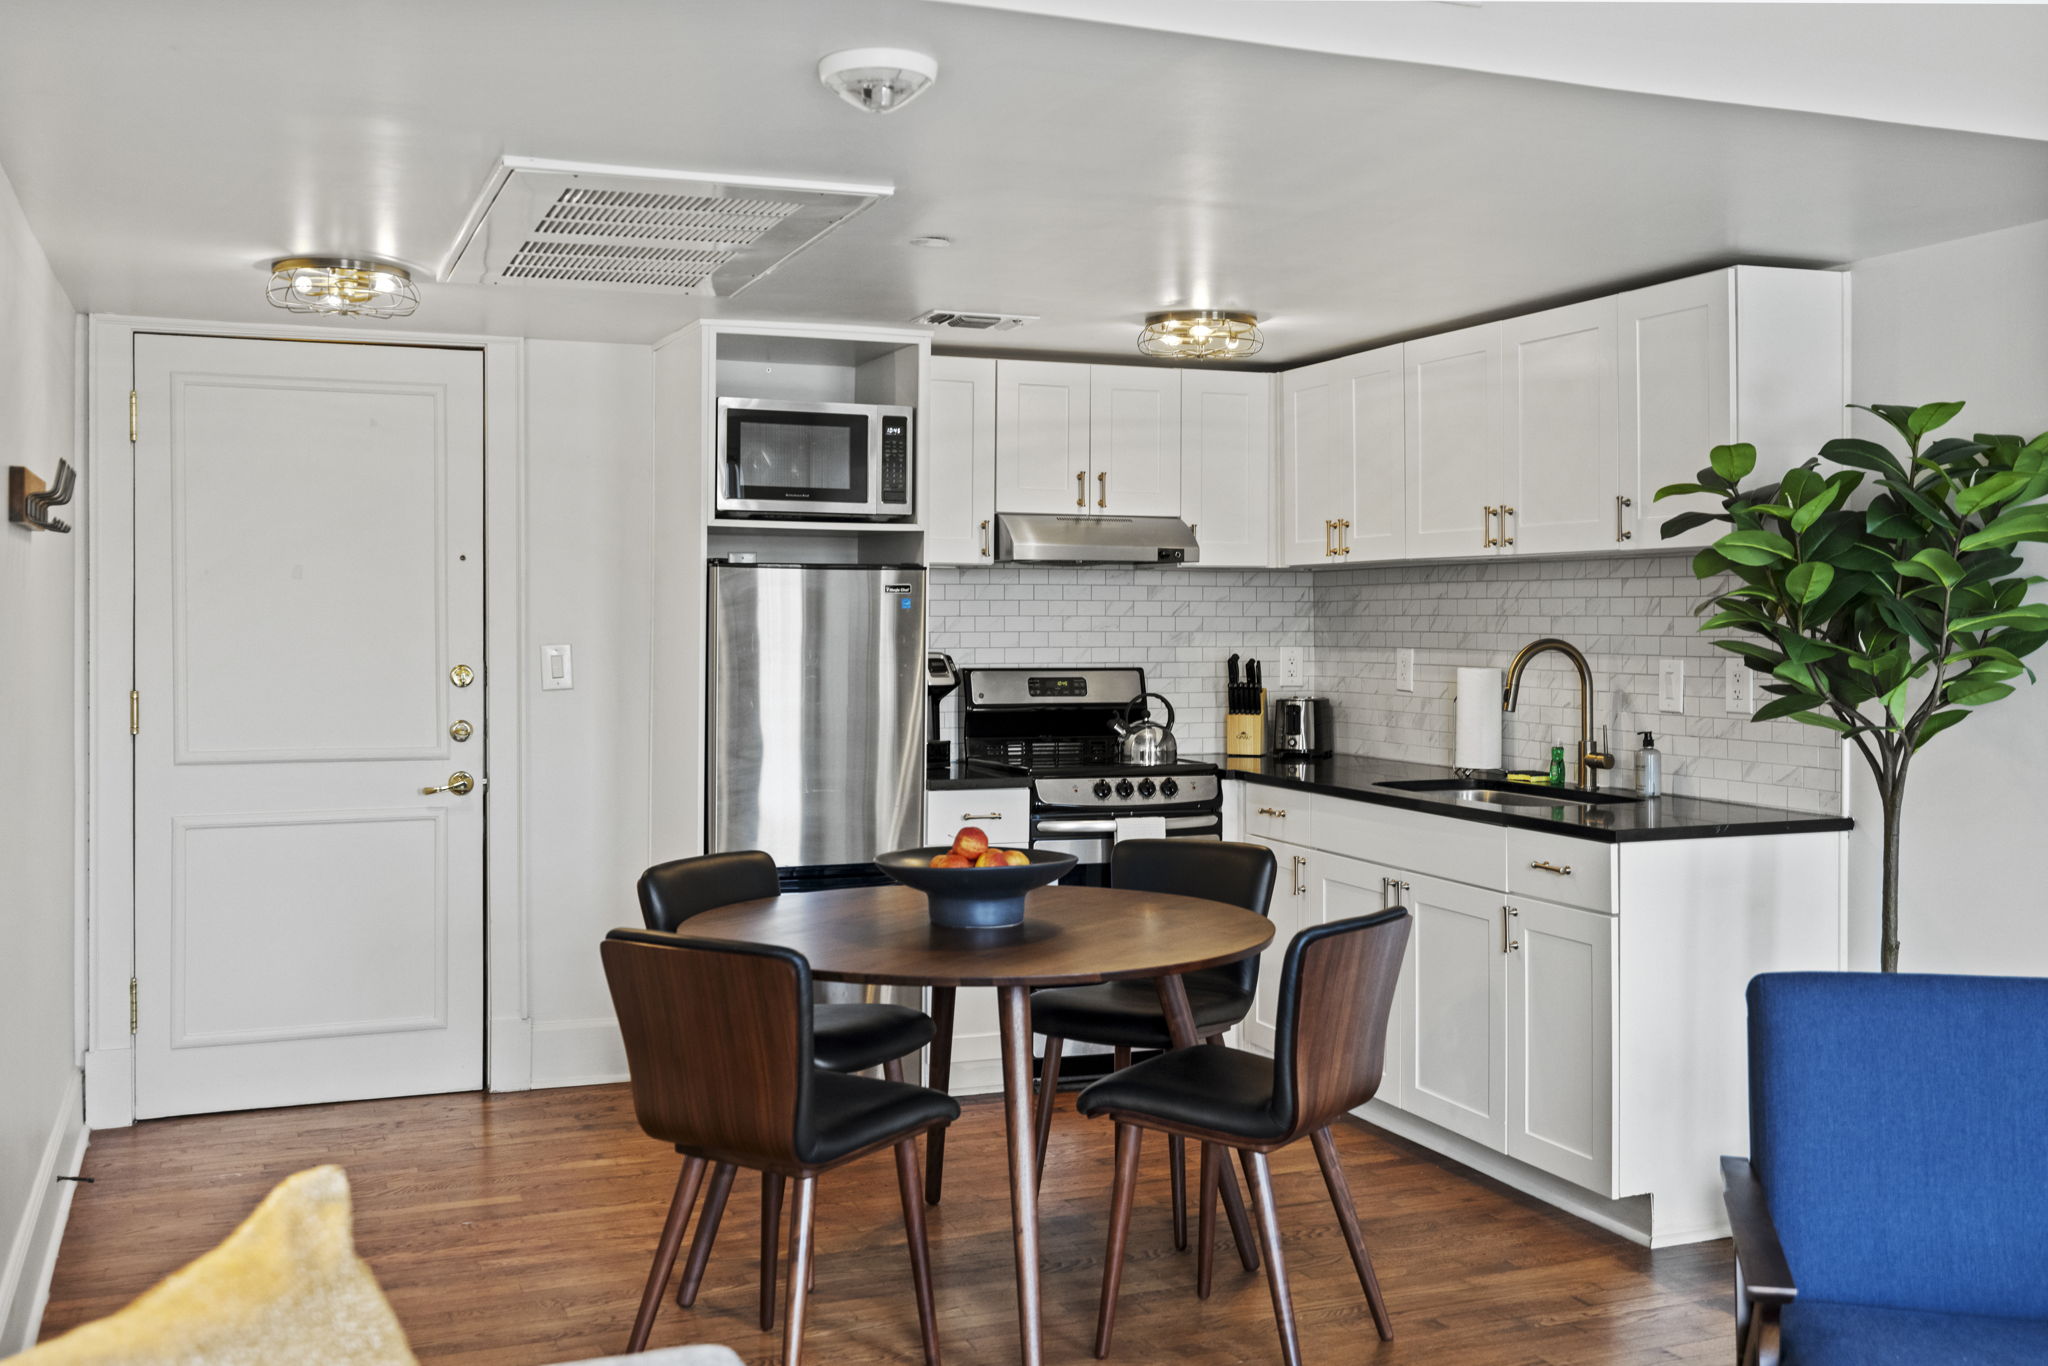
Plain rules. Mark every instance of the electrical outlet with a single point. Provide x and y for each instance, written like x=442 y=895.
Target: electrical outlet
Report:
x=1404 y=670
x=1671 y=685
x=1738 y=688
x=1287 y=667
x=557 y=669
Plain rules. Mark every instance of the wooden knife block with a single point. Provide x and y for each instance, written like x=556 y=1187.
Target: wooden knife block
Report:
x=1244 y=733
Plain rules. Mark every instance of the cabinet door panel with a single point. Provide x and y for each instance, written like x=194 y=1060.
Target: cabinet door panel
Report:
x=1134 y=441
x=1226 y=446
x=1290 y=907
x=959 y=470
x=1347 y=887
x=1042 y=437
x=1560 y=1042
x=1315 y=454
x=1558 y=420
x=1457 y=465
x=1677 y=397
x=1378 y=507
x=1457 y=972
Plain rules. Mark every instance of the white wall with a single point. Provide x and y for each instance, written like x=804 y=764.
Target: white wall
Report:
x=1961 y=320
x=40 y=1103
x=589 y=445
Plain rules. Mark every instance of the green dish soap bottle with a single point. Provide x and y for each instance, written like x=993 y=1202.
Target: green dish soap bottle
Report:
x=1557 y=763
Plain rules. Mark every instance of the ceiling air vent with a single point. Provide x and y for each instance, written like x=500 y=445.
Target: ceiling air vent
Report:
x=974 y=322
x=623 y=227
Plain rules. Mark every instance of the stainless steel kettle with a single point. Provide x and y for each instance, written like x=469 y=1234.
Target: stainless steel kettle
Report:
x=1147 y=742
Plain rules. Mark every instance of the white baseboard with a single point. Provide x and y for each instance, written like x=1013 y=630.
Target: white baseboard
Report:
x=509 y=1063
x=32 y=1252
x=577 y=1052
x=109 y=1088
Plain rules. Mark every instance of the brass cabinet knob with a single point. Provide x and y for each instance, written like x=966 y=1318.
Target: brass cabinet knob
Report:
x=462 y=675
x=461 y=731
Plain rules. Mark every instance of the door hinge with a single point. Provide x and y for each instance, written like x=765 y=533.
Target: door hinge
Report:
x=133 y=419
x=134 y=1011
x=134 y=712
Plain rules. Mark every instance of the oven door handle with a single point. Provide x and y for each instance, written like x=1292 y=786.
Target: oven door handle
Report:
x=1056 y=826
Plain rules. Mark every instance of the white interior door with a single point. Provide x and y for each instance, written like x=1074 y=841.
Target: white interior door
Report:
x=308 y=577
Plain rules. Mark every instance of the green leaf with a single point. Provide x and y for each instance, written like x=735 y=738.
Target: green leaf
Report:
x=1964 y=694
x=1901 y=617
x=1749 y=649
x=1928 y=416
x=1790 y=705
x=1733 y=463
x=1808 y=581
x=1985 y=492
x=1919 y=502
x=1933 y=563
x=1708 y=564
x=1885 y=518
x=1857 y=453
x=1755 y=547
x=1824 y=721
x=1679 y=491
x=2033 y=615
x=2020 y=524
x=1895 y=414
x=1935 y=725
x=1809 y=511
x=1686 y=521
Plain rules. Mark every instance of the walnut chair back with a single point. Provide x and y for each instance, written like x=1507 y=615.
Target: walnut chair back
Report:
x=672 y=892
x=1336 y=995
x=1239 y=874
x=740 y=1092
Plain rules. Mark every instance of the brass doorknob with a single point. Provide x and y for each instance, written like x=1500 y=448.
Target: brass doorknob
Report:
x=459 y=783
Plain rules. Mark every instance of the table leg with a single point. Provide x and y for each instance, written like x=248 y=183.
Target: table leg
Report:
x=1180 y=1027
x=1014 y=1007
x=939 y=1077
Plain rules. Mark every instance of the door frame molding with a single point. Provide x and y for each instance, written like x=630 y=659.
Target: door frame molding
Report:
x=109 y=526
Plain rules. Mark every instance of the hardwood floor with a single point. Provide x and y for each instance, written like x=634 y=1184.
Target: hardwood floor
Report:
x=517 y=1229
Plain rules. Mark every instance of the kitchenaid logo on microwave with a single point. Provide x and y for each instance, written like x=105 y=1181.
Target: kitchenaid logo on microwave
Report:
x=897 y=588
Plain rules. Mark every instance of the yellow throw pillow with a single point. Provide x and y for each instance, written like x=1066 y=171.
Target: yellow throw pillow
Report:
x=285 y=1287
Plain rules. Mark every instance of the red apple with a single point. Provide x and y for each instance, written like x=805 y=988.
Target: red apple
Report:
x=992 y=858
x=972 y=841
x=950 y=861
x=1016 y=857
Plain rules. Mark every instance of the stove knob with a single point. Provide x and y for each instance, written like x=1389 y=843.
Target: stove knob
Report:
x=1168 y=788
x=1123 y=789
x=1102 y=789
x=1145 y=788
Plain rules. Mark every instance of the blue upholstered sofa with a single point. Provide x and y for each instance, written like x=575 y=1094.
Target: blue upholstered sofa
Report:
x=1894 y=1206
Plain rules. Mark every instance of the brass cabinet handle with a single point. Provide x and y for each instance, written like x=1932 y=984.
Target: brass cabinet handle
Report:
x=1272 y=811
x=1505 y=513
x=459 y=783
x=1486 y=527
x=984 y=537
x=1565 y=871
x=1102 y=481
x=1329 y=529
x=984 y=816
x=1622 y=502
x=1343 y=537
x=1080 y=488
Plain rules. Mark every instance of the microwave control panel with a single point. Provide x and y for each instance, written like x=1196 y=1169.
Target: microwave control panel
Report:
x=895 y=490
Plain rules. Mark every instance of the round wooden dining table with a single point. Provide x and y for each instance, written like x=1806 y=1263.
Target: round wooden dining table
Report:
x=1070 y=936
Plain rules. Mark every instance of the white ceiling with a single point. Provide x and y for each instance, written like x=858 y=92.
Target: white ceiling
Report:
x=1088 y=172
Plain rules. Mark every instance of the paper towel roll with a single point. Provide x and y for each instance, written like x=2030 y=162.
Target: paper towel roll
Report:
x=1479 y=719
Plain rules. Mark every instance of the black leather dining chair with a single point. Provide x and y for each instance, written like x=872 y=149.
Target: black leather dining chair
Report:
x=748 y=1092
x=845 y=1037
x=1329 y=1047
x=1126 y=1015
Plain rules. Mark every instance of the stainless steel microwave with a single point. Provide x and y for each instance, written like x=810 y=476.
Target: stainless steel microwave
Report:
x=843 y=461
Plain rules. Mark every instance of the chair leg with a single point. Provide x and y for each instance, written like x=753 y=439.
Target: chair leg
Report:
x=1048 y=1087
x=1177 y=1172
x=939 y=1077
x=1233 y=1205
x=920 y=1252
x=1347 y=1219
x=771 y=1229
x=1128 y=1139
x=687 y=1182
x=1122 y=1058
x=1261 y=1179
x=1205 y=1247
x=800 y=1220
x=707 y=1233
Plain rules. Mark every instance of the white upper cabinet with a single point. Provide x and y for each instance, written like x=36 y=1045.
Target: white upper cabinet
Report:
x=959 y=469
x=1226 y=445
x=1134 y=448
x=1376 y=526
x=1315 y=455
x=1461 y=476
x=1345 y=461
x=1557 y=419
x=1750 y=353
x=1042 y=434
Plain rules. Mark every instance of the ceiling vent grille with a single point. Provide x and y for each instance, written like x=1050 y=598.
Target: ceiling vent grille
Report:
x=973 y=322
x=615 y=227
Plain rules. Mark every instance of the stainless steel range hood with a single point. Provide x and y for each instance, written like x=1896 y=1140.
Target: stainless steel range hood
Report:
x=1042 y=538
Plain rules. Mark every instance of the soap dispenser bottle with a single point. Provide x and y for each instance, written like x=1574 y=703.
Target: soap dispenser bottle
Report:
x=1649 y=767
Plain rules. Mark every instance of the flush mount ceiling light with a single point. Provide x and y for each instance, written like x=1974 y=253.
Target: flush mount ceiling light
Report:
x=1200 y=334
x=338 y=285
x=878 y=80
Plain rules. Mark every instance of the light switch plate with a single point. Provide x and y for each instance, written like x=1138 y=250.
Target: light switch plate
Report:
x=1404 y=670
x=1671 y=685
x=1738 y=688
x=557 y=668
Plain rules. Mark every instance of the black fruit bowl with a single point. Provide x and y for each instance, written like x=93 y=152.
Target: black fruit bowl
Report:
x=974 y=898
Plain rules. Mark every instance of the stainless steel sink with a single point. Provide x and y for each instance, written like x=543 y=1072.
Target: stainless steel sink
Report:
x=1501 y=793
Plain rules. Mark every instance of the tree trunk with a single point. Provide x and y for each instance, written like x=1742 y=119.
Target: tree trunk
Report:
x=1893 y=804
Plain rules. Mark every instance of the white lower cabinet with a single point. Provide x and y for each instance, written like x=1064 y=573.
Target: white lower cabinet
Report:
x=1002 y=813
x=1455 y=978
x=1289 y=913
x=1559 y=1103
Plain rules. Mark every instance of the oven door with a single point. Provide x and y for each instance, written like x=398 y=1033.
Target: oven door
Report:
x=796 y=459
x=1090 y=838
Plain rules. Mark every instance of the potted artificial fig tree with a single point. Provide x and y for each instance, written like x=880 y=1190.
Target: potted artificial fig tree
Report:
x=1885 y=619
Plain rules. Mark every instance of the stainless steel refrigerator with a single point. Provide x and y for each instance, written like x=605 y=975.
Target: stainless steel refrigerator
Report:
x=816 y=727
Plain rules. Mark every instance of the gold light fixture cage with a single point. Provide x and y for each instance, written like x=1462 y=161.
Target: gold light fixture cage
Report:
x=343 y=287
x=1200 y=334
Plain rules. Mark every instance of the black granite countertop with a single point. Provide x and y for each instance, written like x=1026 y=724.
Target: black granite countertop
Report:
x=963 y=775
x=1652 y=818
